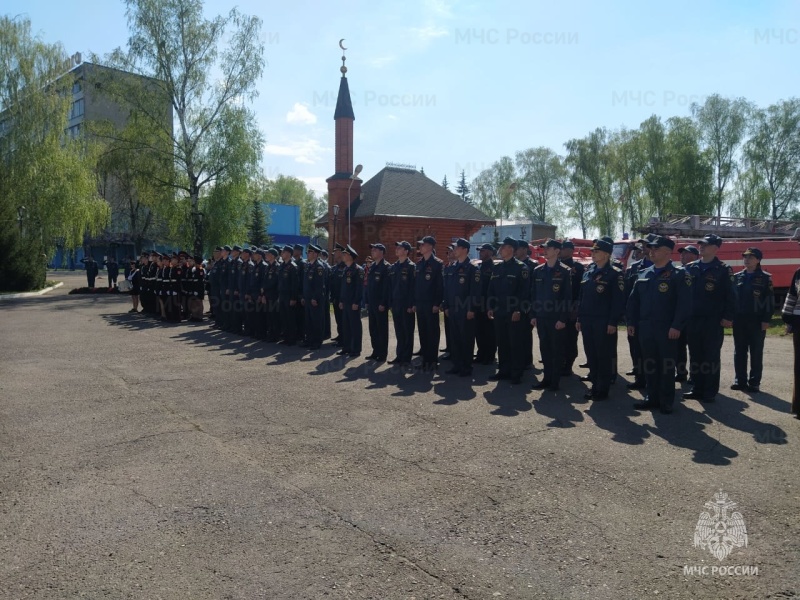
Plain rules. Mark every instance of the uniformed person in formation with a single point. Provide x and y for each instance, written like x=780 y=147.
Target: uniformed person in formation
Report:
x=323 y=260
x=688 y=254
x=523 y=255
x=146 y=262
x=289 y=292
x=755 y=303
x=220 y=274
x=450 y=260
x=242 y=280
x=270 y=297
x=336 y=287
x=484 y=327
x=377 y=301
x=259 y=306
x=212 y=288
x=601 y=303
x=428 y=294
x=350 y=297
x=252 y=288
x=194 y=287
x=551 y=302
x=297 y=257
x=315 y=294
x=232 y=290
x=621 y=266
x=571 y=332
x=641 y=260
x=401 y=300
x=657 y=311
x=172 y=277
x=462 y=297
x=712 y=307
x=508 y=299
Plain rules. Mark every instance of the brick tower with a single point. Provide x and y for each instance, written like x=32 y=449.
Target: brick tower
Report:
x=341 y=188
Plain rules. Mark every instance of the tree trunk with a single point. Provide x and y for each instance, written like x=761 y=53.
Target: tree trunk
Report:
x=197 y=223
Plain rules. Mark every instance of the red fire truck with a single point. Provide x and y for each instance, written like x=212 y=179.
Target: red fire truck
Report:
x=779 y=241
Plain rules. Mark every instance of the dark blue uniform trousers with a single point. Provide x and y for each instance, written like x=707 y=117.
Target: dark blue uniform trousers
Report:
x=658 y=361
x=378 y=331
x=353 y=331
x=462 y=341
x=705 y=337
x=748 y=337
x=404 y=332
x=597 y=344
x=314 y=323
x=551 y=346
x=429 y=334
x=510 y=334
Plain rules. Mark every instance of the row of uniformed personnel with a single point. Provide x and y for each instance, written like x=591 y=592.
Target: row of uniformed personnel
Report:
x=273 y=294
x=171 y=286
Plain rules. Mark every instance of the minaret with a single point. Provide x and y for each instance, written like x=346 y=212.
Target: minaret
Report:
x=340 y=186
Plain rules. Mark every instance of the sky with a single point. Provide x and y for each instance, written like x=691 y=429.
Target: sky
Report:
x=449 y=85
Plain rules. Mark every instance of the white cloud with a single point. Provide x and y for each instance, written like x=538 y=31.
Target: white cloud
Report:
x=427 y=33
x=307 y=152
x=392 y=117
x=300 y=114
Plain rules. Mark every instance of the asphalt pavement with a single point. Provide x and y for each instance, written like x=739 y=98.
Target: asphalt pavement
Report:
x=141 y=460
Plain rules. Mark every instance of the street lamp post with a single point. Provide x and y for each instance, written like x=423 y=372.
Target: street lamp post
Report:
x=353 y=177
x=335 y=223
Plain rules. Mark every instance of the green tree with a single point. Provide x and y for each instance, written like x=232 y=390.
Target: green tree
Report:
x=577 y=196
x=722 y=123
x=656 y=170
x=462 y=189
x=539 y=173
x=48 y=192
x=258 y=225
x=494 y=189
x=691 y=188
x=627 y=165
x=751 y=198
x=773 y=153
x=206 y=70
x=130 y=181
x=592 y=159
x=444 y=183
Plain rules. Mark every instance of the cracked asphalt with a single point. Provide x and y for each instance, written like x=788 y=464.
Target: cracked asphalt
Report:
x=147 y=461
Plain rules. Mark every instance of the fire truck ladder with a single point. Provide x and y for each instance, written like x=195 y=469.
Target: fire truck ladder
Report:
x=696 y=226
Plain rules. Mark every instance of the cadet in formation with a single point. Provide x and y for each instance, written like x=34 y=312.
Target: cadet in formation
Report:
x=462 y=289
x=377 y=302
x=428 y=294
x=350 y=297
x=755 y=303
x=657 y=311
x=601 y=306
x=712 y=306
x=402 y=275
x=507 y=301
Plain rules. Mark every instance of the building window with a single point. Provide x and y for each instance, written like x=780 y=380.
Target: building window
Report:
x=77 y=109
x=77 y=87
x=74 y=131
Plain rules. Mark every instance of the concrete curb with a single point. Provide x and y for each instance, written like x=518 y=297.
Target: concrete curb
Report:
x=31 y=294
